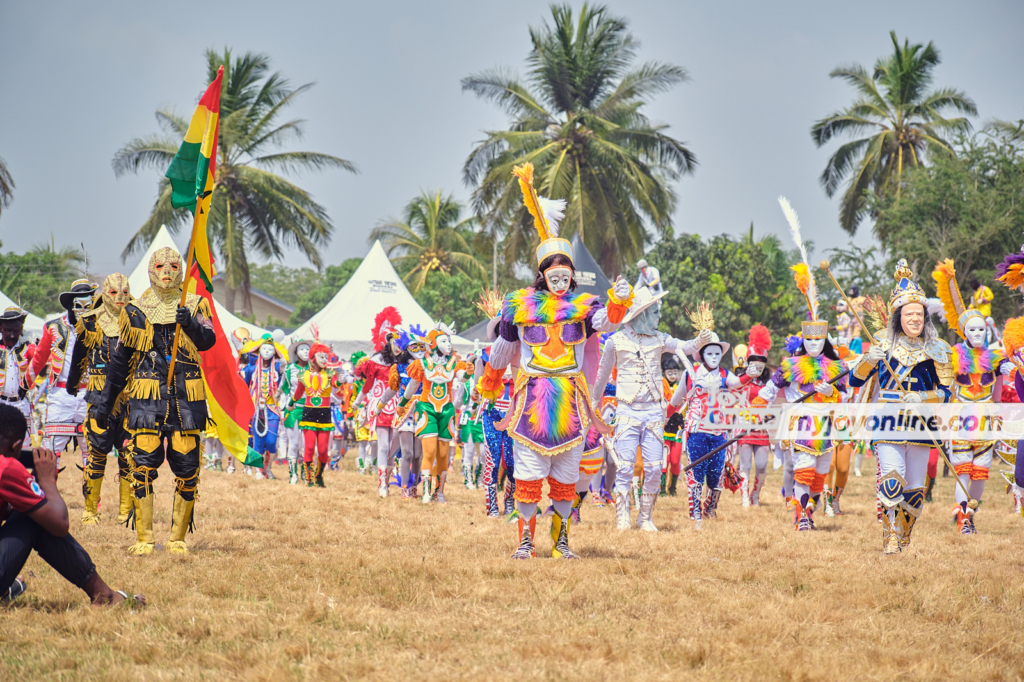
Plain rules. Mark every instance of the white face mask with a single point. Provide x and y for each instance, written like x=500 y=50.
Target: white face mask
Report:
x=974 y=332
x=814 y=347
x=266 y=351
x=712 y=357
x=321 y=359
x=303 y=353
x=672 y=375
x=417 y=351
x=444 y=345
x=558 y=278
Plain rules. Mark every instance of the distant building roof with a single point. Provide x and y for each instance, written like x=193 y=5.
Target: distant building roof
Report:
x=259 y=293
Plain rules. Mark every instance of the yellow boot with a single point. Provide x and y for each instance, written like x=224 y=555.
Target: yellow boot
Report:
x=143 y=508
x=126 y=500
x=181 y=521
x=560 y=537
x=91 y=491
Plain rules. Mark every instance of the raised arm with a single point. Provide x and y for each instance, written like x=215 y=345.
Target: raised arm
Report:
x=604 y=372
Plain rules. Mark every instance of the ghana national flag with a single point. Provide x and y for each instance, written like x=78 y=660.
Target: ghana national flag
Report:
x=192 y=174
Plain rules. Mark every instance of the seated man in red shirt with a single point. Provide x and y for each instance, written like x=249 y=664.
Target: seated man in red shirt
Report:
x=35 y=518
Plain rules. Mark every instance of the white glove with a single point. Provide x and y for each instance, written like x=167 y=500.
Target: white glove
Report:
x=1006 y=369
x=912 y=397
x=824 y=388
x=621 y=289
x=752 y=372
x=704 y=337
x=875 y=355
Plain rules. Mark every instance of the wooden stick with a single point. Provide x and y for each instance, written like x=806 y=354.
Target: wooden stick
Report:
x=184 y=291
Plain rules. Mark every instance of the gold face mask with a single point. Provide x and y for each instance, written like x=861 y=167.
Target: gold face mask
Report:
x=115 y=294
x=165 y=269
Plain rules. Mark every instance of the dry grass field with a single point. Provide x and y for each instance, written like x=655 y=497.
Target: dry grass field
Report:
x=285 y=583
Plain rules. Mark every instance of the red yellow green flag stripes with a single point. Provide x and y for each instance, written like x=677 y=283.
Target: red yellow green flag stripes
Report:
x=192 y=174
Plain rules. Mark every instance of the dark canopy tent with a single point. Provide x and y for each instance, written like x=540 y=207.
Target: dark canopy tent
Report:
x=477 y=331
x=589 y=277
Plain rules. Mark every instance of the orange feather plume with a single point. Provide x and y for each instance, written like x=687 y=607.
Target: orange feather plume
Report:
x=531 y=200
x=802 y=275
x=1013 y=336
x=948 y=291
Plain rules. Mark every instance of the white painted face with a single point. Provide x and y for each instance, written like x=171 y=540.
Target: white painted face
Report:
x=712 y=356
x=266 y=351
x=444 y=345
x=974 y=331
x=558 y=278
x=321 y=359
x=814 y=347
x=912 y=319
x=672 y=375
x=303 y=352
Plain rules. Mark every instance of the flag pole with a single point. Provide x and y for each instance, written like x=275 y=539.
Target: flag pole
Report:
x=184 y=290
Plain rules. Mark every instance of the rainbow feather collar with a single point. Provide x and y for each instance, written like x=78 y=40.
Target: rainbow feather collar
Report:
x=803 y=369
x=974 y=360
x=529 y=306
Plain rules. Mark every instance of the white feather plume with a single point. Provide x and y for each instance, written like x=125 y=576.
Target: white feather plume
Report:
x=554 y=211
x=794 y=229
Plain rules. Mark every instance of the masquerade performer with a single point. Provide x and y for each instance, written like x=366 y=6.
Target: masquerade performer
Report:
x=754 y=447
x=97 y=332
x=471 y=431
x=413 y=345
x=155 y=411
x=635 y=353
x=547 y=327
x=316 y=385
x=15 y=358
x=440 y=374
x=981 y=299
x=649 y=277
x=65 y=412
x=376 y=371
x=702 y=392
x=289 y=435
x=671 y=372
x=911 y=348
x=1011 y=273
x=978 y=374
x=264 y=377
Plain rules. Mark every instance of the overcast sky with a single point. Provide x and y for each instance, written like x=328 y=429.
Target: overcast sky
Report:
x=78 y=80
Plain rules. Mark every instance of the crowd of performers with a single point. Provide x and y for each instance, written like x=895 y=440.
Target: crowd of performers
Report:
x=588 y=396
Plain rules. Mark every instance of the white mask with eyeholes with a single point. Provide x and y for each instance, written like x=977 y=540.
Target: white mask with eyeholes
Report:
x=303 y=353
x=975 y=331
x=814 y=347
x=712 y=356
x=559 y=279
x=444 y=344
x=267 y=351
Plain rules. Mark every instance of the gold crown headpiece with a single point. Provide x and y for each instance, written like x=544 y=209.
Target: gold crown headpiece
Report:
x=702 y=318
x=906 y=289
x=490 y=302
x=546 y=214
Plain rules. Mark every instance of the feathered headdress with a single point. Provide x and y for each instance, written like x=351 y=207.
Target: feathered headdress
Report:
x=1011 y=271
x=547 y=213
x=1013 y=339
x=953 y=307
x=384 y=323
x=813 y=328
x=489 y=303
x=759 y=341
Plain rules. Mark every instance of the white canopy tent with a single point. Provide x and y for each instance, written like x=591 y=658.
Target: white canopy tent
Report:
x=33 y=323
x=346 y=322
x=139 y=282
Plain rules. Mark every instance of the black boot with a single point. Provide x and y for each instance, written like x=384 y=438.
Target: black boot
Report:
x=672 y=485
x=928 y=490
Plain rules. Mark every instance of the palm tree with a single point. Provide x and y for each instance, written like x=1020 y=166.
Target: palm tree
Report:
x=254 y=211
x=6 y=186
x=579 y=118
x=1011 y=131
x=428 y=238
x=905 y=120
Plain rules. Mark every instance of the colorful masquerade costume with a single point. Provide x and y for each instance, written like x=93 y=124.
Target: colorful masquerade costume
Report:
x=499 y=445
x=315 y=386
x=289 y=435
x=65 y=413
x=435 y=376
x=754 y=447
x=14 y=368
x=921 y=365
x=642 y=406
x=140 y=362
x=264 y=378
x=97 y=333
x=412 y=345
x=471 y=435
x=376 y=373
x=978 y=378
x=551 y=410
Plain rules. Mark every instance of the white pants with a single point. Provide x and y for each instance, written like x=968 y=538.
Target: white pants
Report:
x=532 y=466
x=64 y=414
x=639 y=425
x=290 y=442
x=909 y=461
x=759 y=455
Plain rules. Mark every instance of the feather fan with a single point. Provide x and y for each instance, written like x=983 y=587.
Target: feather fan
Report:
x=877 y=310
x=531 y=200
x=1011 y=271
x=1013 y=336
